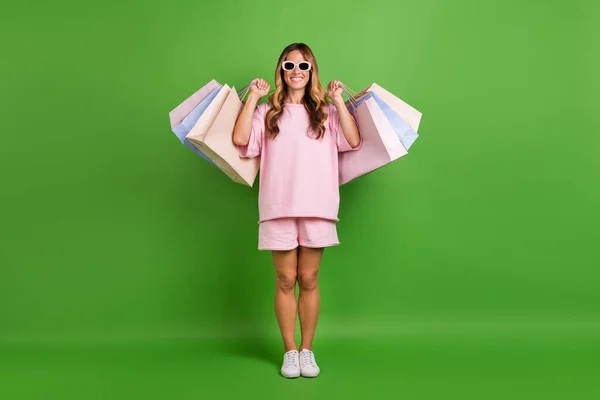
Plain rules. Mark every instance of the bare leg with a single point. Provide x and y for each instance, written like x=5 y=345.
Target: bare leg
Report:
x=309 y=301
x=286 y=273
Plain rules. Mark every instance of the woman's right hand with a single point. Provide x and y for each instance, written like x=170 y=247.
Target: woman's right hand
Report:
x=259 y=87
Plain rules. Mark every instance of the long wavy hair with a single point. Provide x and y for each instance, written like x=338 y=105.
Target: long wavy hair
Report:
x=315 y=100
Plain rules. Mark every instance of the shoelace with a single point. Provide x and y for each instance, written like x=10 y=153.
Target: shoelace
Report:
x=290 y=359
x=308 y=358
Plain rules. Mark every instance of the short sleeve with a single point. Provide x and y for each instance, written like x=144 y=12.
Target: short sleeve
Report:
x=254 y=146
x=335 y=128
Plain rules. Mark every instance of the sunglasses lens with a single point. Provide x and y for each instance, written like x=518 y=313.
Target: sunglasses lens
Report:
x=304 y=66
x=288 y=66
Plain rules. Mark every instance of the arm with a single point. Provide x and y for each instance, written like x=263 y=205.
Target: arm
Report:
x=349 y=127
x=243 y=124
x=347 y=123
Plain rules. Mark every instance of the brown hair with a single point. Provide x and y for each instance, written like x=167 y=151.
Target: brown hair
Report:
x=315 y=100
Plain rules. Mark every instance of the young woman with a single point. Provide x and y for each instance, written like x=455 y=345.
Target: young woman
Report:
x=298 y=135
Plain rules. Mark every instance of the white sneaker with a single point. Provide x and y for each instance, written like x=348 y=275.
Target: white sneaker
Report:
x=291 y=365
x=308 y=365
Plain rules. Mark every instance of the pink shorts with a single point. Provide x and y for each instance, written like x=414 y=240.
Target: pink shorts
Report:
x=289 y=233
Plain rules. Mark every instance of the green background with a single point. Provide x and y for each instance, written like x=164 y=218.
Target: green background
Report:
x=468 y=268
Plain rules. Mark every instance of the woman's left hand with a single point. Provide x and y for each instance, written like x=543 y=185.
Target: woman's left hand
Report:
x=334 y=91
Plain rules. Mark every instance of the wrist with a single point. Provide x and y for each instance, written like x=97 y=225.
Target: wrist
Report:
x=253 y=98
x=338 y=101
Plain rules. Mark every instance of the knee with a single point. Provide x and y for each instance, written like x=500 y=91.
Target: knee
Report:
x=286 y=282
x=308 y=280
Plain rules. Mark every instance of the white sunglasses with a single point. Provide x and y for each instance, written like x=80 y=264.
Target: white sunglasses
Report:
x=290 y=65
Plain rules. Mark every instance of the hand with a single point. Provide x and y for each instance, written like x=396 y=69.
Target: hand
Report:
x=259 y=87
x=334 y=91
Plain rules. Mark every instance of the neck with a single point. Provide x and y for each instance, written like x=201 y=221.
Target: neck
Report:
x=295 y=96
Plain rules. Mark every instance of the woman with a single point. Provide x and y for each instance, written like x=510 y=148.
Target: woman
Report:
x=298 y=135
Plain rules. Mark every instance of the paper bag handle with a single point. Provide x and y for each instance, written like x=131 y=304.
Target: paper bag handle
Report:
x=350 y=93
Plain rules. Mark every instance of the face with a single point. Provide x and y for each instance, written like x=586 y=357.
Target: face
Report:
x=296 y=79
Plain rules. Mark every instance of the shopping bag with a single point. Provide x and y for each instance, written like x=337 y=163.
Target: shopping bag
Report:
x=184 y=116
x=213 y=135
x=404 y=117
x=182 y=110
x=380 y=143
x=190 y=120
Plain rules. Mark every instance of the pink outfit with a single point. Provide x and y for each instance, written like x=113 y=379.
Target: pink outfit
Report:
x=298 y=174
x=288 y=233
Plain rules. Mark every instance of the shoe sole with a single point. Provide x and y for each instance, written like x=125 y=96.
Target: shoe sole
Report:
x=290 y=376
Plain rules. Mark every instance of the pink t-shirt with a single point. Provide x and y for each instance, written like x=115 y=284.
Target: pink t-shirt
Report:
x=298 y=173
